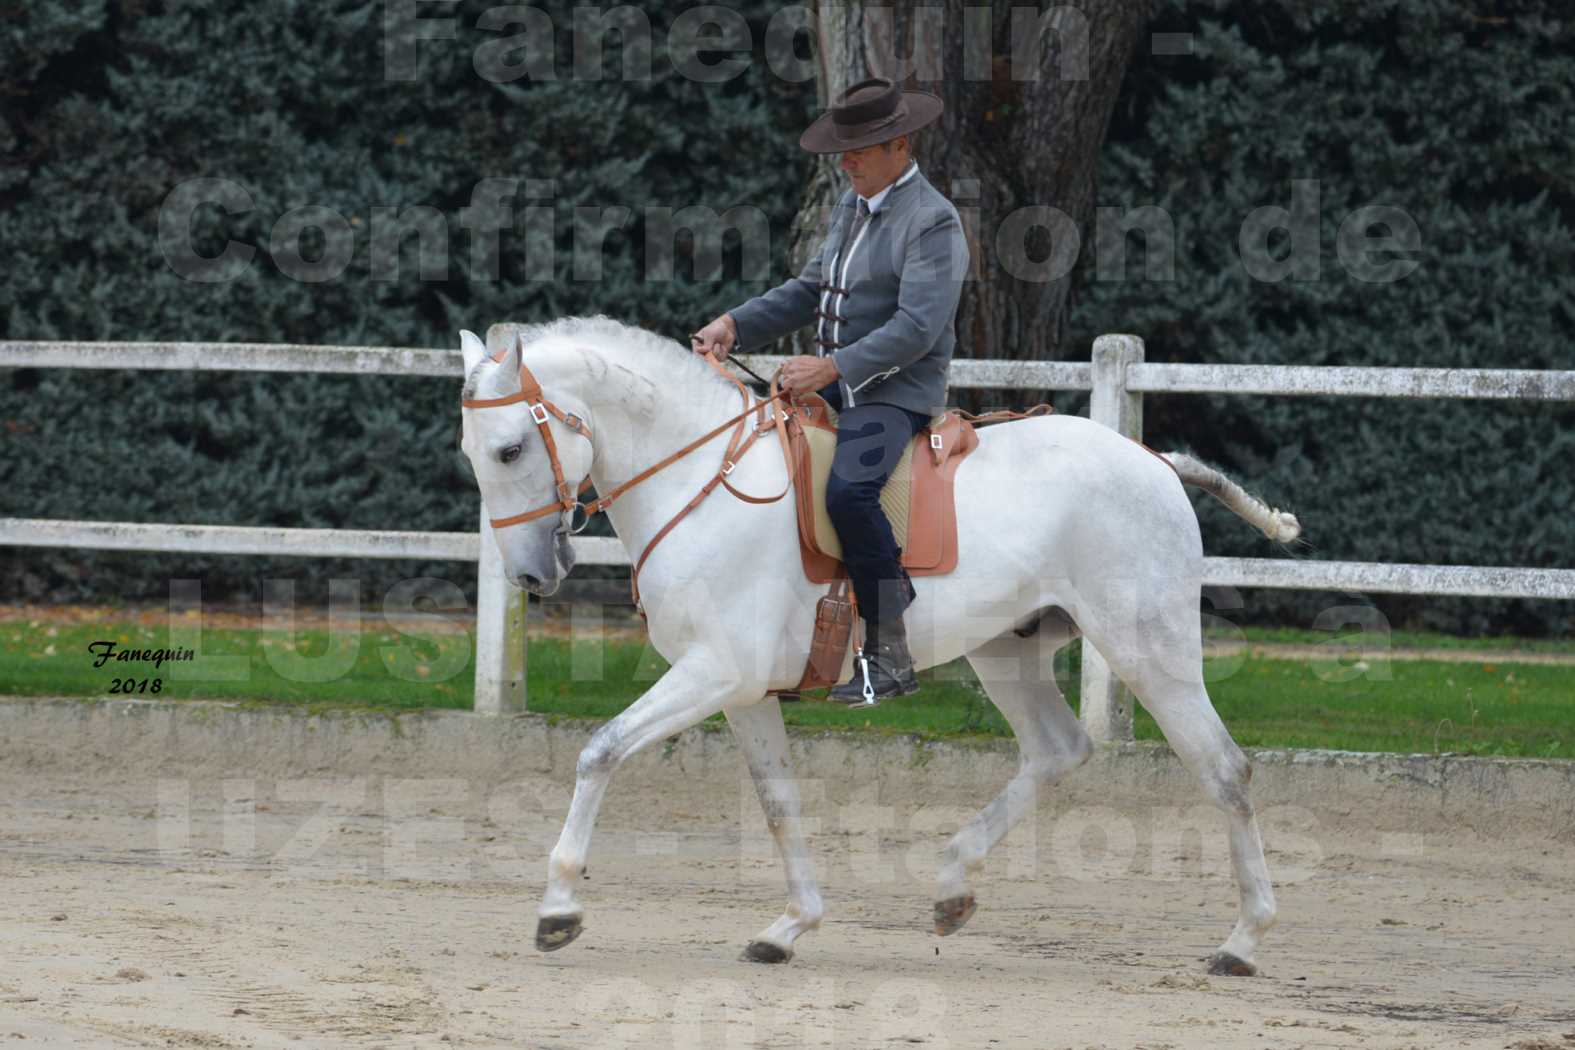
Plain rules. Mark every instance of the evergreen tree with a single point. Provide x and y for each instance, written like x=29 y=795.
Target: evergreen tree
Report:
x=1461 y=120
x=349 y=162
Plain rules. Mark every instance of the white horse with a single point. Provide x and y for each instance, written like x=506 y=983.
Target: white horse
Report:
x=1065 y=528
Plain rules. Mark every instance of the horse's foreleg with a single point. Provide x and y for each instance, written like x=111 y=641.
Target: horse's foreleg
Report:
x=687 y=694
x=1050 y=739
x=763 y=740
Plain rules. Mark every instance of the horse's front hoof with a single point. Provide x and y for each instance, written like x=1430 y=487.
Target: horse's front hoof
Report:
x=766 y=952
x=953 y=914
x=1224 y=964
x=555 y=931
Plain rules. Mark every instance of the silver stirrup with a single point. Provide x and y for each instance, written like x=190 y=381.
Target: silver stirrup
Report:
x=869 y=690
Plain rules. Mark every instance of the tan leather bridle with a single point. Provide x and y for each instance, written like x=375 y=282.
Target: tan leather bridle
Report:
x=530 y=393
x=540 y=408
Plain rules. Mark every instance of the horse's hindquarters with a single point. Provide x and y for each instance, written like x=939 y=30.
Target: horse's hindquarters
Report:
x=1057 y=512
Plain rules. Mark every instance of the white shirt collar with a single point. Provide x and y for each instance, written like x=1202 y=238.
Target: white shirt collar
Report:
x=874 y=203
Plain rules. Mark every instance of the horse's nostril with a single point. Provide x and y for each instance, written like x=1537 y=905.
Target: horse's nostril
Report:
x=532 y=581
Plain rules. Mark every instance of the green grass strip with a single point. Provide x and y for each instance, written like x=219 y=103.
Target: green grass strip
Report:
x=1355 y=638
x=1479 y=707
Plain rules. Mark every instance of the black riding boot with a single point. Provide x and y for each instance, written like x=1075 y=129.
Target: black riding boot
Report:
x=882 y=669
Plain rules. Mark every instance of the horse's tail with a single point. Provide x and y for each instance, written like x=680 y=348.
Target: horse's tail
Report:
x=1279 y=525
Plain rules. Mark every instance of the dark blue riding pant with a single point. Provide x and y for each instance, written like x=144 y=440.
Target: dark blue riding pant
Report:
x=870 y=440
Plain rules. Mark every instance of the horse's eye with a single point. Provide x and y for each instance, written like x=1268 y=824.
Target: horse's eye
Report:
x=510 y=454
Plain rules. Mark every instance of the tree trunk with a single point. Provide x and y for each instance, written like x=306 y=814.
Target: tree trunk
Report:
x=1029 y=91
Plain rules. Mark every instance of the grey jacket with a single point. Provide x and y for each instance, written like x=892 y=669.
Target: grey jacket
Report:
x=883 y=306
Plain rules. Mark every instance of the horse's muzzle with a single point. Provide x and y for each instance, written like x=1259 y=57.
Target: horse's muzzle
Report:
x=560 y=556
x=539 y=587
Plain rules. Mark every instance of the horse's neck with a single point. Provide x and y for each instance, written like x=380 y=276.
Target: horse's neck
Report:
x=640 y=418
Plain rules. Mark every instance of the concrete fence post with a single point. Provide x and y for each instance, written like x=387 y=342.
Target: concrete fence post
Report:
x=500 y=633
x=1106 y=706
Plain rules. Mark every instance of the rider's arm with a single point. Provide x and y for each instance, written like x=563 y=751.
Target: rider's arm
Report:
x=785 y=308
x=790 y=305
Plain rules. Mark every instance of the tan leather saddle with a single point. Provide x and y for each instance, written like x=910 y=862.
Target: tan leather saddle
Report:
x=918 y=501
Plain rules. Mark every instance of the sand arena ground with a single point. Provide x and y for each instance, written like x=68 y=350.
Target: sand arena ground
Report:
x=254 y=910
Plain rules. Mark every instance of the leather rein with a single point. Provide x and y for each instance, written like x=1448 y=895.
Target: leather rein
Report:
x=568 y=501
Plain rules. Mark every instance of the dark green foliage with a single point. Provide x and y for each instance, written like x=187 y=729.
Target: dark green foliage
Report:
x=1462 y=115
x=107 y=108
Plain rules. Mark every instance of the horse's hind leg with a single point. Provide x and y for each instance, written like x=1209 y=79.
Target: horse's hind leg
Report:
x=763 y=740
x=1187 y=718
x=1167 y=679
x=691 y=691
x=1051 y=743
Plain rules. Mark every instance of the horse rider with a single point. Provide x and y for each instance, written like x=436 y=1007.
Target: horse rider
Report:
x=882 y=291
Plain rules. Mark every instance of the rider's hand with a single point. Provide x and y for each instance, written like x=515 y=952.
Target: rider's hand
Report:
x=716 y=338
x=805 y=375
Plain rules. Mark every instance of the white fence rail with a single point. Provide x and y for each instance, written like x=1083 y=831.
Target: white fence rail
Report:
x=1117 y=376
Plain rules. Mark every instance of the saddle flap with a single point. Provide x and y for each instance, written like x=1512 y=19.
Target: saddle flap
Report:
x=932 y=522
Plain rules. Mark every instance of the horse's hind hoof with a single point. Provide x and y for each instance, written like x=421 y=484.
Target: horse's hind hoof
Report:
x=953 y=914
x=1224 y=964
x=556 y=931
x=766 y=952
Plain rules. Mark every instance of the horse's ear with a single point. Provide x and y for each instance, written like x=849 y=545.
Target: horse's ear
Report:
x=510 y=362
x=473 y=349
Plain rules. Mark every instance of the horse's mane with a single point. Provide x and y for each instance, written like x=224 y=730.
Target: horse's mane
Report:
x=620 y=341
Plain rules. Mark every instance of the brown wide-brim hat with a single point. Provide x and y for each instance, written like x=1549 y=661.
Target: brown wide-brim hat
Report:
x=871 y=112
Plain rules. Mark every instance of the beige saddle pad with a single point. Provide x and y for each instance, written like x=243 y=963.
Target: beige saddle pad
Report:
x=917 y=499
x=895 y=499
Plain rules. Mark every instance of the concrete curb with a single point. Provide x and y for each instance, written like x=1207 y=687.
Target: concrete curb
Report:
x=1367 y=793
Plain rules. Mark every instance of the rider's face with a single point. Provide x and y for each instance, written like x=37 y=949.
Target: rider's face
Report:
x=873 y=168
